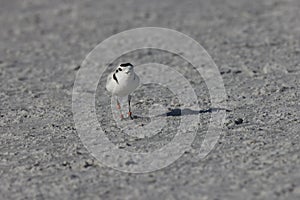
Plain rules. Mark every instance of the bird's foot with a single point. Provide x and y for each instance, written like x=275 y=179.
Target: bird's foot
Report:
x=130 y=115
x=118 y=106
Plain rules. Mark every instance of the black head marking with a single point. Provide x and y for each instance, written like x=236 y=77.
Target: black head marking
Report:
x=126 y=65
x=120 y=69
x=115 y=78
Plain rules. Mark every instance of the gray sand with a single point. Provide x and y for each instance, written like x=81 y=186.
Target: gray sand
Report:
x=256 y=46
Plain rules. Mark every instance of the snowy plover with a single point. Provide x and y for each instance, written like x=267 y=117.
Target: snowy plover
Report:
x=122 y=82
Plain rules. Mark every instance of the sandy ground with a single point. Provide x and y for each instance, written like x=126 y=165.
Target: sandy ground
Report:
x=256 y=46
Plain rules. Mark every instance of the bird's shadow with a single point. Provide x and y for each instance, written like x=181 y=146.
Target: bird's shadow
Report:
x=187 y=111
x=182 y=112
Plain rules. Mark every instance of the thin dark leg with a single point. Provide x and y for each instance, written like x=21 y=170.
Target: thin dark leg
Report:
x=129 y=108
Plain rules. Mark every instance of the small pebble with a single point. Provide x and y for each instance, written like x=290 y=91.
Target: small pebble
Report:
x=77 y=68
x=238 y=121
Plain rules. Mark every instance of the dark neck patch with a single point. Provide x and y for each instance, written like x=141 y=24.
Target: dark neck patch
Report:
x=115 y=78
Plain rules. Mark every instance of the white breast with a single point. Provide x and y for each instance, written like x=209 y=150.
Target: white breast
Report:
x=126 y=84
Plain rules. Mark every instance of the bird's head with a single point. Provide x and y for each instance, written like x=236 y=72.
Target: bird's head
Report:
x=125 y=68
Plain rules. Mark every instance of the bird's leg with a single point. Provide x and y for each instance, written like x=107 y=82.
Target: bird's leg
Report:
x=119 y=108
x=129 y=109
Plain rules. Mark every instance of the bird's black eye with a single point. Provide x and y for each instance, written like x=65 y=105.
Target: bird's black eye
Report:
x=116 y=70
x=120 y=69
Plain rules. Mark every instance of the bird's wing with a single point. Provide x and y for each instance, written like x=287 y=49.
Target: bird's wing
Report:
x=109 y=82
x=109 y=77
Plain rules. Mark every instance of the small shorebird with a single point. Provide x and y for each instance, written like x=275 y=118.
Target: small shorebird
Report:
x=122 y=82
